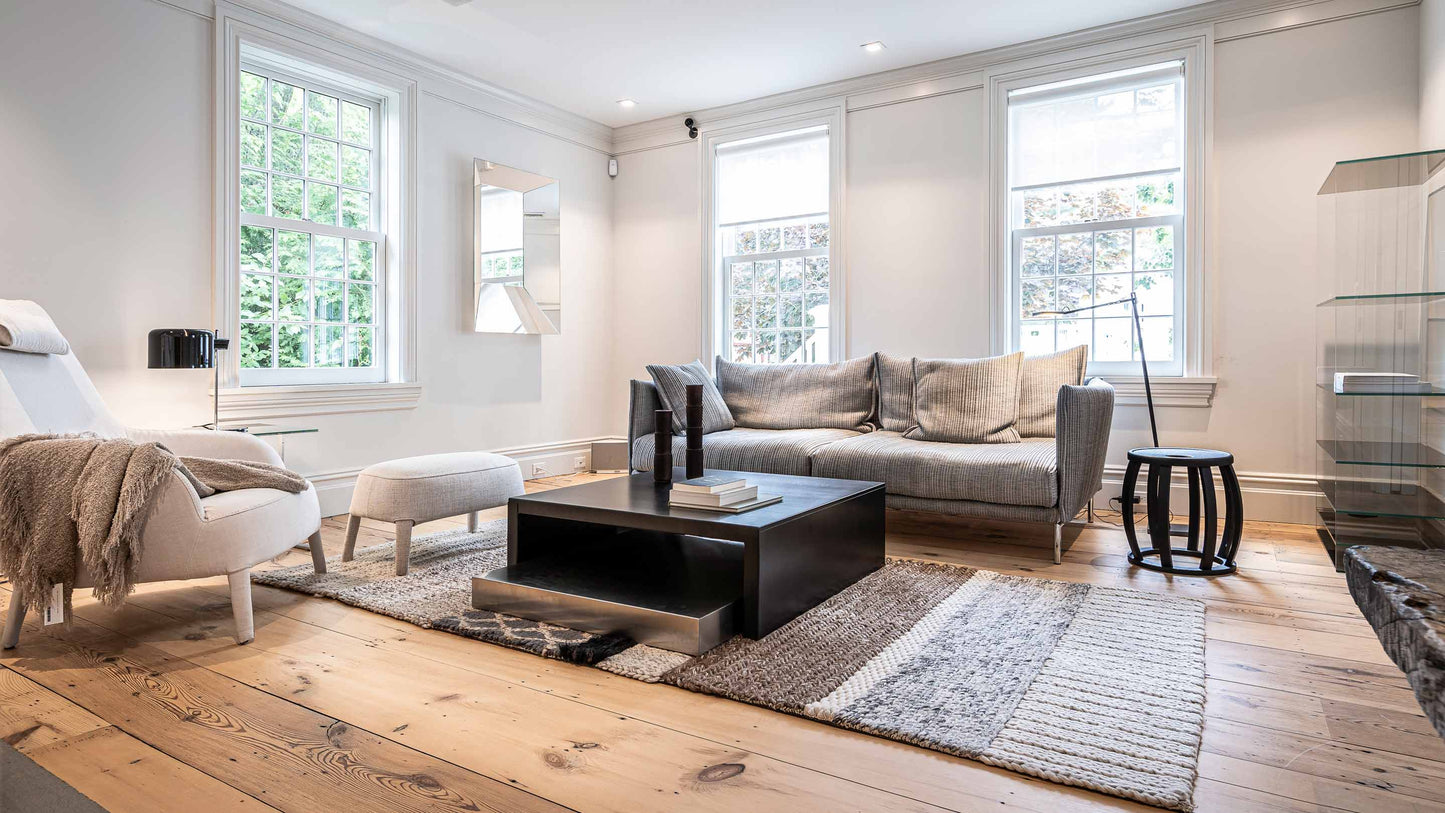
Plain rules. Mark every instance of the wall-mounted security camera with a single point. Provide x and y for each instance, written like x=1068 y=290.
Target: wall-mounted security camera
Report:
x=691 y=128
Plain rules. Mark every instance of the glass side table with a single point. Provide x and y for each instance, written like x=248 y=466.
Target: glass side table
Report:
x=280 y=431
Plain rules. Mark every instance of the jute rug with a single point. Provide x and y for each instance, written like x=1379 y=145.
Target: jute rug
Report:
x=1095 y=687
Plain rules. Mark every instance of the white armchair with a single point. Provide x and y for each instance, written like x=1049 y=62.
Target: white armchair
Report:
x=187 y=537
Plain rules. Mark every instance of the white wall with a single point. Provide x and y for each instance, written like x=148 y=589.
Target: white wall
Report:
x=105 y=212
x=1432 y=74
x=657 y=199
x=1287 y=105
x=105 y=219
x=917 y=230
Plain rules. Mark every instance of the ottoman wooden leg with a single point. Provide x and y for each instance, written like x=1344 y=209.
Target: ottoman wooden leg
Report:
x=472 y=522
x=353 y=526
x=403 y=546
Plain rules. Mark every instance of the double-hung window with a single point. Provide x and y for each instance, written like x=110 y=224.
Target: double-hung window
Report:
x=772 y=249
x=312 y=247
x=1096 y=186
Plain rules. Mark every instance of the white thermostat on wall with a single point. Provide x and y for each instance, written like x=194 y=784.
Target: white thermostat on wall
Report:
x=612 y=167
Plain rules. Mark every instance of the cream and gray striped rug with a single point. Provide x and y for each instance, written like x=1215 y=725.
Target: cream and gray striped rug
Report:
x=1090 y=686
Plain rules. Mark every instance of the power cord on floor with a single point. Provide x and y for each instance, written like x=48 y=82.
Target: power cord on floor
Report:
x=1116 y=506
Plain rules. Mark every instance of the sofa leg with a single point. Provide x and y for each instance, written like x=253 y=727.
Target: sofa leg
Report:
x=403 y=546
x=1090 y=514
x=472 y=522
x=353 y=527
x=13 y=620
x=318 y=553
x=241 y=605
x=1058 y=544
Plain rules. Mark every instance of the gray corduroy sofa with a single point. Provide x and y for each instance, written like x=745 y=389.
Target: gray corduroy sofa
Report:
x=1040 y=479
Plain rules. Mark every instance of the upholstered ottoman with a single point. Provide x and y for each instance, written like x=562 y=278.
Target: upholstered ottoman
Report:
x=421 y=489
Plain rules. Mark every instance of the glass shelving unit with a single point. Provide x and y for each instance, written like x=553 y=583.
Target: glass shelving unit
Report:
x=1381 y=312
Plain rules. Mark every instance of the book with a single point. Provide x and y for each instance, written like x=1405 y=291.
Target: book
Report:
x=731 y=497
x=738 y=508
x=711 y=484
x=1346 y=383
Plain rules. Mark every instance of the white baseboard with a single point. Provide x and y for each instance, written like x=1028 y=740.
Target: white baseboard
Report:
x=333 y=488
x=1268 y=496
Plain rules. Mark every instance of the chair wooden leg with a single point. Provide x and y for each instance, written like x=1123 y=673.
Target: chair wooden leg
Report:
x=13 y=620
x=318 y=553
x=472 y=522
x=1058 y=544
x=353 y=526
x=403 y=546
x=241 y=605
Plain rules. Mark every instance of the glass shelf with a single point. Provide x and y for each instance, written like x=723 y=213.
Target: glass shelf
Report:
x=1381 y=299
x=1384 y=172
x=1358 y=498
x=1433 y=392
x=1366 y=453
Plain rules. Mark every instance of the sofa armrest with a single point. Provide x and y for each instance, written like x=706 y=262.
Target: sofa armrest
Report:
x=1085 y=414
x=641 y=405
x=208 y=443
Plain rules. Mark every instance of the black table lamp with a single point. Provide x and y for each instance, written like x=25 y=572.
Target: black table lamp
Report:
x=1133 y=301
x=171 y=348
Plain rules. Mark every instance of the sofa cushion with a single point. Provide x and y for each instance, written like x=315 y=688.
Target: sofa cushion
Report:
x=967 y=400
x=776 y=451
x=671 y=381
x=1039 y=389
x=1024 y=473
x=799 y=396
x=895 y=392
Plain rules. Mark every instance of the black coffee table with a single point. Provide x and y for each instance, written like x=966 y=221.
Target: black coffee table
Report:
x=613 y=556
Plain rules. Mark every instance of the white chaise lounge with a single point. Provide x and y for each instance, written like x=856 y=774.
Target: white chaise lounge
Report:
x=187 y=537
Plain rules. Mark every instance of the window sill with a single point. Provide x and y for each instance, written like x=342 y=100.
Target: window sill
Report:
x=1170 y=391
x=296 y=400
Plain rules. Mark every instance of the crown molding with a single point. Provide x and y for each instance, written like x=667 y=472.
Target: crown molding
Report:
x=436 y=79
x=1243 y=18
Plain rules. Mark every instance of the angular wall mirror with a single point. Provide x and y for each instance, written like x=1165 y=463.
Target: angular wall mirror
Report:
x=517 y=251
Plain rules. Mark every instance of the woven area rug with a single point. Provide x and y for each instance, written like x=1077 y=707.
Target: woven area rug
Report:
x=1095 y=687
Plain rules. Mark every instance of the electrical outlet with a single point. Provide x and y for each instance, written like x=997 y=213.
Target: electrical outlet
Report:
x=539 y=470
x=579 y=463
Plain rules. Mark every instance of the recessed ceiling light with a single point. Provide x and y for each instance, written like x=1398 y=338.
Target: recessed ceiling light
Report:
x=873 y=47
x=628 y=103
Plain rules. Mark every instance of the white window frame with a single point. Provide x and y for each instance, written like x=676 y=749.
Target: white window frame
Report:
x=279 y=47
x=1192 y=384
x=715 y=323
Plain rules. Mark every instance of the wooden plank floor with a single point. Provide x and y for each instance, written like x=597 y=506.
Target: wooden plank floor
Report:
x=332 y=708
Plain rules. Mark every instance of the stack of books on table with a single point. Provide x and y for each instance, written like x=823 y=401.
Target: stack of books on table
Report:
x=726 y=493
x=1356 y=383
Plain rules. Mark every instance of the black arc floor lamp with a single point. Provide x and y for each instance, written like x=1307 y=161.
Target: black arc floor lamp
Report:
x=173 y=348
x=1133 y=300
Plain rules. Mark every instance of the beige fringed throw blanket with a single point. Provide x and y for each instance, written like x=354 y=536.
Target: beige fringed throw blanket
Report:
x=67 y=500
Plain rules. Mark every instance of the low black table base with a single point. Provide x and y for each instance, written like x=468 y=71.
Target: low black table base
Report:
x=1213 y=551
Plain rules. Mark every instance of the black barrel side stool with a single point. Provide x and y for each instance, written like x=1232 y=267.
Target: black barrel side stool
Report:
x=1217 y=554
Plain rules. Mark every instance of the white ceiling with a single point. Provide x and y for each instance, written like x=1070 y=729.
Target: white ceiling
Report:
x=674 y=57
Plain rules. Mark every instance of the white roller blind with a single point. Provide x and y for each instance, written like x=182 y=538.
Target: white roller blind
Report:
x=500 y=218
x=772 y=177
x=1118 y=124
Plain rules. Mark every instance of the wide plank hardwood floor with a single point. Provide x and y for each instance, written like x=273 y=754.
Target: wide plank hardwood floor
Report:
x=332 y=708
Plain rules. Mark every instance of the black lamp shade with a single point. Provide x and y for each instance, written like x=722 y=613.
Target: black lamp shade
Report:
x=173 y=348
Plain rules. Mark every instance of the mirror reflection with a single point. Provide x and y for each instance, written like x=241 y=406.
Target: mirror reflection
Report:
x=517 y=277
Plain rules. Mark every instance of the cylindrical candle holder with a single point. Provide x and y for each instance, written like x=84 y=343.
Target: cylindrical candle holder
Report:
x=694 y=431
x=662 y=447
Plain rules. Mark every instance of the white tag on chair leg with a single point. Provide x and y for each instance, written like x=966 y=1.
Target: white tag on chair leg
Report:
x=55 y=610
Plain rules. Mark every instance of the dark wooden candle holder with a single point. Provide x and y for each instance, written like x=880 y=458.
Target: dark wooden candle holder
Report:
x=694 y=431
x=662 y=447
